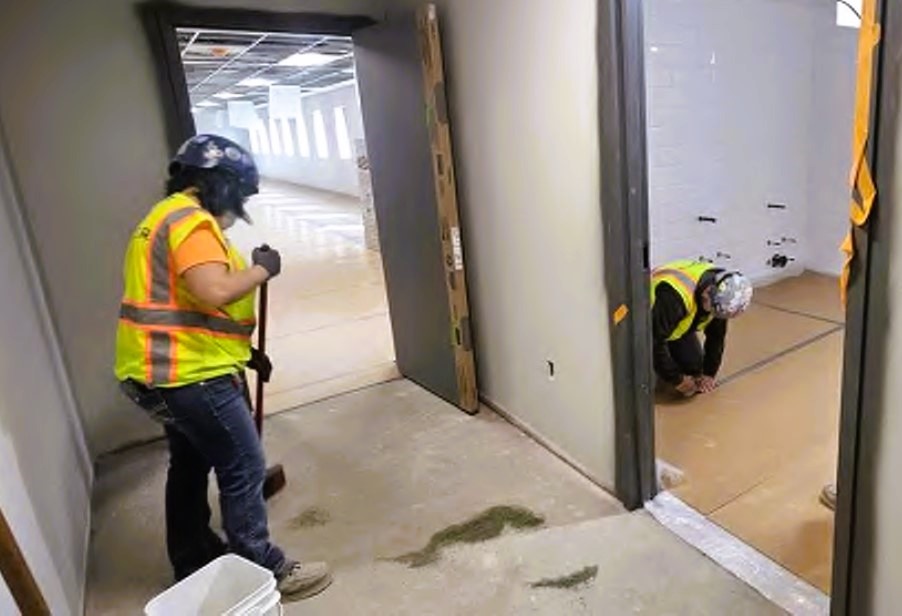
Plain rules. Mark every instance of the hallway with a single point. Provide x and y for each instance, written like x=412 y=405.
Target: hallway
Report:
x=374 y=474
x=329 y=328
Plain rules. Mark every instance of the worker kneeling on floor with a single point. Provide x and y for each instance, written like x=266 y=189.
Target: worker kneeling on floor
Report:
x=183 y=343
x=689 y=297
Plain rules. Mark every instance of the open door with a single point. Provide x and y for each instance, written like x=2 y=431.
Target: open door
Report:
x=402 y=93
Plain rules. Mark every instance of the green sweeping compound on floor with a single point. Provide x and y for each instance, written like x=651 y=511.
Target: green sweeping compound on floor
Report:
x=311 y=518
x=584 y=576
x=487 y=525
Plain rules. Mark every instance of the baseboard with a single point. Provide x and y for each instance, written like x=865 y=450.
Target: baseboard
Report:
x=546 y=443
x=774 y=276
x=824 y=272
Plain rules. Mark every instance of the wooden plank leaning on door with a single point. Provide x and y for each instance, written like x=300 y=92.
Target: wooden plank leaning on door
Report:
x=17 y=575
x=446 y=199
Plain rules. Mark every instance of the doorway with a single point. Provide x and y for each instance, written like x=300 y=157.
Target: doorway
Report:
x=789 y=397
x=358 y=191
x=292 y=100
x=748 y=159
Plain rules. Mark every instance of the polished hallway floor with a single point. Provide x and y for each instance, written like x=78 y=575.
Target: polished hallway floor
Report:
x=329 y=328
x=756 y=453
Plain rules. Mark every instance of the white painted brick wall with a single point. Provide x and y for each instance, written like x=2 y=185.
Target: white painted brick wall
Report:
x=740 y=96
x=830 y=161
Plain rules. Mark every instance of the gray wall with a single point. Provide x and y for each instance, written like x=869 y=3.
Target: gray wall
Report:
x=7 y=603
x=46 y=487
x=830 y=148
x=87 y=139
x=523 y=96
x=878 y=533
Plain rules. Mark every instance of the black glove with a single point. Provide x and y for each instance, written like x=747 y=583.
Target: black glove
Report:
x=269 y=259
x=260 y=364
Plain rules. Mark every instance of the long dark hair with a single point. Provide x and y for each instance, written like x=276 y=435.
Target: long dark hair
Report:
x=218 y=190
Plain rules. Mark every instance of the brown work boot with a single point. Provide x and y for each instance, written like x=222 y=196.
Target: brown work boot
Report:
x=303 y=580
x=828 y=497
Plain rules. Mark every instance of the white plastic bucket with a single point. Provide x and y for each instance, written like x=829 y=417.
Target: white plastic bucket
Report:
x=228 y=586
x=268 y=607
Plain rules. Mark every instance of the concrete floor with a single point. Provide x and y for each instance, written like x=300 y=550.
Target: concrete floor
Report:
x=385 y=468
x=641 y=569
x=756 y=453
x=329 y=327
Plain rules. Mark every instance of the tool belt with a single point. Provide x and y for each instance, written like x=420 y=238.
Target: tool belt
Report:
x=149 y=399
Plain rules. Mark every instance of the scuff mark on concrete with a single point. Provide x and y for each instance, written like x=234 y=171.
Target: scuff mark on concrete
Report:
x=570 y=582
x=311 y=518
x=487 y=525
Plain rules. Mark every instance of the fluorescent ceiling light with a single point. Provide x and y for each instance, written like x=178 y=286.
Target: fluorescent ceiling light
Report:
x=309 y=58
x=257 y=82
x=227 y=95
x=348 y=71
x=207 y=104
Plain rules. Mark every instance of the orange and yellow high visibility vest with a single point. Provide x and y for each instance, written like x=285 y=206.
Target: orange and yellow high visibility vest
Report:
x=166 y=337
x=683 y=277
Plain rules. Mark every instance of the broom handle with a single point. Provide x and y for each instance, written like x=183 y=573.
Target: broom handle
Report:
x=261 y=345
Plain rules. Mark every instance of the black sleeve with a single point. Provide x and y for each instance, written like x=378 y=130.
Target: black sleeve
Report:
x=715 y=341
x=666 y=315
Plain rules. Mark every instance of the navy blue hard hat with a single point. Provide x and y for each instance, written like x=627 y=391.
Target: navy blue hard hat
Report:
x=215 y=152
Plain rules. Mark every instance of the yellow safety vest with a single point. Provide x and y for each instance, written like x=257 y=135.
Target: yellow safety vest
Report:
x=683 y=277
x=166 y=337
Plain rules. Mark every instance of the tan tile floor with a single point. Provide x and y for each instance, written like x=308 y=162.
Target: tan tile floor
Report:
x=329 y=328
x=757 y=452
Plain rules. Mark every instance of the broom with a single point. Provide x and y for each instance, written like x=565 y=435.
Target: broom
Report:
x=275 y=475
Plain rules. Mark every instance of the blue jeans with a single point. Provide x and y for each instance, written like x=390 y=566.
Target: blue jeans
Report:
x=211 y=427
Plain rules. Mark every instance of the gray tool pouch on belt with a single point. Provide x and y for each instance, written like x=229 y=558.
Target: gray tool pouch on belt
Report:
x=149 y=399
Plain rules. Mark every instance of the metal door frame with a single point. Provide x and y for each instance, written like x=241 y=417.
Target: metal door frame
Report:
x=624 y=205
x=160 y=19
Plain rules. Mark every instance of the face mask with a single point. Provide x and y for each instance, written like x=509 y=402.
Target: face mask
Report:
x=227 y=220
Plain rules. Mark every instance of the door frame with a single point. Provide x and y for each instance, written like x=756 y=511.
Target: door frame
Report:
x=624 y=206
x=160 y=19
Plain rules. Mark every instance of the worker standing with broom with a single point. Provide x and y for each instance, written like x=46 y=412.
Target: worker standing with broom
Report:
x=183 y=342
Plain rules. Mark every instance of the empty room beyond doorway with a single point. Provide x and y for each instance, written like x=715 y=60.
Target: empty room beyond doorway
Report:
x=329 y=330
x=756 y=453
x=292 y=99
x=748 y=126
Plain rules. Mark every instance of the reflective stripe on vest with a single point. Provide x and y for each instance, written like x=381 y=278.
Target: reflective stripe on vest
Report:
x=684 y=277
x=681 y=277
x=166 y=317
x=160 y=357
x=166 y=337
x=161 y=287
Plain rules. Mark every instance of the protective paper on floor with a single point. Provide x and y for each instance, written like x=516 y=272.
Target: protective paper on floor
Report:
x=764 y=575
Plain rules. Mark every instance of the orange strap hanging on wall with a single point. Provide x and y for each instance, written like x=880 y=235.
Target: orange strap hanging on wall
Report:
x=864 y=191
